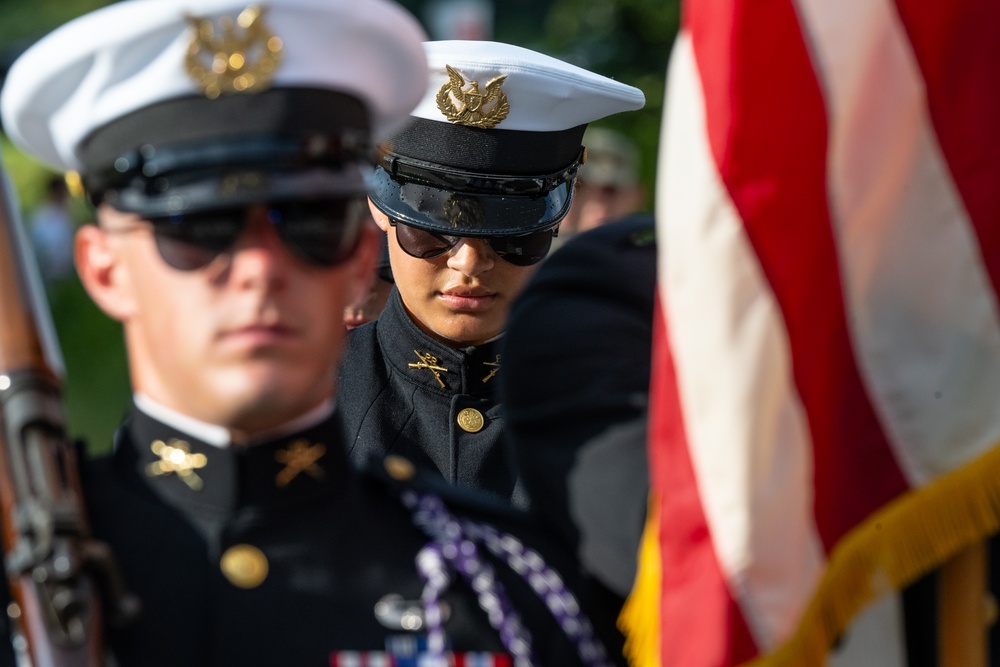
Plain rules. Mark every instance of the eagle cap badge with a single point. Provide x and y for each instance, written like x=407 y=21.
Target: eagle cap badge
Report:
x=465 y=104
x=238 y=56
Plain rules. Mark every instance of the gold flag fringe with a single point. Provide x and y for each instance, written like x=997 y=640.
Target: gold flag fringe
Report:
x=640 y=617
x=909 y=537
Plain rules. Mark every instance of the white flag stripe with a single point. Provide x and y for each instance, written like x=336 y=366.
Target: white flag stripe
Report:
x=746 y=428
x=921 y=309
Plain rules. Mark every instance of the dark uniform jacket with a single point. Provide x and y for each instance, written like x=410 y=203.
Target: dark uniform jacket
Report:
x=575 y=389
x=403 y=392
x=280 y=553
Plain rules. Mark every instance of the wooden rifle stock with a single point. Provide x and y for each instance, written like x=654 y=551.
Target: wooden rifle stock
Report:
x=53 y=567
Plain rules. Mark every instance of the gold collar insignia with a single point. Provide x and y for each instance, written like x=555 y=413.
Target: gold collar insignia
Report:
x=494 y=369
x=466 y=105
x=240 y=57
x=299 y=457
x=430 y=362
x=176 y=457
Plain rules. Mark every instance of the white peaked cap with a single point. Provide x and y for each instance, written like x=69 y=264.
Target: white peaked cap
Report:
x=131 y=55
x=495 y=143
x=544 y=94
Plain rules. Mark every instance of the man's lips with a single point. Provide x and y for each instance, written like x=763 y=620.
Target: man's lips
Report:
x=259 y=334
x=472 y=299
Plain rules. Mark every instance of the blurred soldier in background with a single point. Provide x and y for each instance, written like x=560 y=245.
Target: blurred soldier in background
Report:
x=226 y=150
x=607 y=187
x=470 y=195
x=51 y=229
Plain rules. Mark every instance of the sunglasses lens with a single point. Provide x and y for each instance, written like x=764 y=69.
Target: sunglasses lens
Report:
x=523 y=250
x=191 y=241
x=324 y=233
x=422 y=244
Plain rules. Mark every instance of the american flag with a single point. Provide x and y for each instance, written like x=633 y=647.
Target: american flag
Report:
x=827 y=349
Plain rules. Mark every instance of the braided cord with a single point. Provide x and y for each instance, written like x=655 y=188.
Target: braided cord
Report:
x=454 y=548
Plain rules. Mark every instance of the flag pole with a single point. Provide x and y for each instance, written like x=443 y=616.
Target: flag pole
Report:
x=963 y=609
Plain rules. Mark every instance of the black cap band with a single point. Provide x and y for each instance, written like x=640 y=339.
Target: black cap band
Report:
x=495 y=151
x=277 y=144
x=290 y=112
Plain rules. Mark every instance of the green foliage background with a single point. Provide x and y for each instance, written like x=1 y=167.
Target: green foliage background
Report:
x=627 y=40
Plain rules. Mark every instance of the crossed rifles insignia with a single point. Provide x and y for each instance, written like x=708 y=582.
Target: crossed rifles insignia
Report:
x=176 y=457
x=430 y=362
x=464 y=104
x=494 y=369
x=300 y=456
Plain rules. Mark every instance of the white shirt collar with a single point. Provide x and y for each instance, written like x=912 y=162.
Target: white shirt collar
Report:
x=219 y=436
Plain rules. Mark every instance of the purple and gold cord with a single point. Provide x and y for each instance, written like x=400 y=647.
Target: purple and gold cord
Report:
x=454 y=548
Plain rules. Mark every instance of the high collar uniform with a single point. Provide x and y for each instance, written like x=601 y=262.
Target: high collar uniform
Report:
x=403 y=392
x=272 y=554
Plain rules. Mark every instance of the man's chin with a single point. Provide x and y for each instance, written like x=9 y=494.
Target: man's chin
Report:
x=261 y=405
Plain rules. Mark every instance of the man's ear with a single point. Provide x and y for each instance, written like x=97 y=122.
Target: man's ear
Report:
x=102 y=272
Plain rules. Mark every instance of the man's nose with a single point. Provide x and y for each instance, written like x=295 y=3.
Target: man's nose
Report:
x=259 y=253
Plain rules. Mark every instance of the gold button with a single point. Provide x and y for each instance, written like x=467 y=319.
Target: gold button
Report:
x=245 y=566
x=471 y=420
x=398 y=468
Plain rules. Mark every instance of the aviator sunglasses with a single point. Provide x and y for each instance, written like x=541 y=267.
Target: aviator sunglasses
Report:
x=519 y=250
x=323 y=233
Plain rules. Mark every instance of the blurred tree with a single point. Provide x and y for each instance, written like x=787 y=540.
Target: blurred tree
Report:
x=96 y=385
x=627 y=40
x=24 y=21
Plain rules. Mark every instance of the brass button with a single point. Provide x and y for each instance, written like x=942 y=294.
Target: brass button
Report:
x=245 y=566
x=471 y=420
x=398 y=468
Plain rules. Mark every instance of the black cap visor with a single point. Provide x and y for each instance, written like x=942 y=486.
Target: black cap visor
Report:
x=200 y=190
x=469 y=213
x=193 y=153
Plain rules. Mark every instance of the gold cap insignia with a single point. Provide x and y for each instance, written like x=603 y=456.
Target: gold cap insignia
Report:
x=466 y=105
x=464 y=212
x=299 y=457
x=176 y=457
x=240 y=57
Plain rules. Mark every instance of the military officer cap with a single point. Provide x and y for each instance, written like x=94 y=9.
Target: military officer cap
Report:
x=495 y=143
x=172 y=106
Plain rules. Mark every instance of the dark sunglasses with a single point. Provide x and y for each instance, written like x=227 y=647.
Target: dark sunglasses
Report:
x=324 y=232
x=520 y=250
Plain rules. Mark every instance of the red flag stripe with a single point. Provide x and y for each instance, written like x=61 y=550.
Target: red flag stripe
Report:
x=744 y=425
x=927 y=342
x=767 y=128
x=958 y=52
x=692 y=620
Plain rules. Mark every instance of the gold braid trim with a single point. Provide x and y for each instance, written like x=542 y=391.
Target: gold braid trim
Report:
x=909 y=537
x=912 y=535
x=639 y=620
